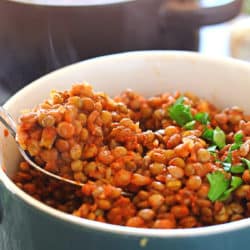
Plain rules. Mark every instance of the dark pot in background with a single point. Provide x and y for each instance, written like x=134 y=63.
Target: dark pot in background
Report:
x=36 y=39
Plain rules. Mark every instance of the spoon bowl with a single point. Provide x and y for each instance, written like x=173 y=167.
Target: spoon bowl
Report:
x=9 y=123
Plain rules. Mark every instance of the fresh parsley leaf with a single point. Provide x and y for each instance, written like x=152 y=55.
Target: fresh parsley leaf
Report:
x=202 y=117
x=238 y=140
x=235 y=183
x=180 y=113
x=237 y=169
x=234 y=147
x=246 y=161
x=219 y=138
x=218 y=185
x=208 y=134
x=190 y=125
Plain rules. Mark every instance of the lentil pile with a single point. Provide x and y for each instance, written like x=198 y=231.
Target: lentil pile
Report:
x=185 y=163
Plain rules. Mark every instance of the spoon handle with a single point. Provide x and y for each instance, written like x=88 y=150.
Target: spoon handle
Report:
x=10 y=125
x=7 y=121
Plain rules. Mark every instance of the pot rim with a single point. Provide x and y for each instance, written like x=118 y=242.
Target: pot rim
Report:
x=71 y=4
x=114 y=229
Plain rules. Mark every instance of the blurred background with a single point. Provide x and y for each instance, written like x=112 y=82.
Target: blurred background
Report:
x=39 y=36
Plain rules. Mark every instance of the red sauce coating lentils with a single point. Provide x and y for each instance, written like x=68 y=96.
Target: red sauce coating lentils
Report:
x=184 y=161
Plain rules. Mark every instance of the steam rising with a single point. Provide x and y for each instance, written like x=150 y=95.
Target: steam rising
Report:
x=61 y=51
x=54 y=60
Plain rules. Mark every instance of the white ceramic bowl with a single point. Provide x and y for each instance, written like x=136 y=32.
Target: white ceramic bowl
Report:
x=26 y=222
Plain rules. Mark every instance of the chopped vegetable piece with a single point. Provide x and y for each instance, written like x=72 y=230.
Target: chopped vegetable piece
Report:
x=234 y=147
x=238 y=140
x=227 y=163
x=237 y=169
x=219 y=138
x=218 y=185
x=212 y=149
x=202 y=117
x=180 y=113
x=208 y=134
x=180 y=100
x=227 y=166
x=235 y=183
x=246 y=161
x=190 y=125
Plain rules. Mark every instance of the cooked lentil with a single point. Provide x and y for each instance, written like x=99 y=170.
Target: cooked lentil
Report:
x=132 y=143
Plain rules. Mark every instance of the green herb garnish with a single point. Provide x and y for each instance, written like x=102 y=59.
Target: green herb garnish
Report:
x=190 y=125
x=237 y=169
x=202 y=117
x=180 y=112
x=218 y=185
x=180 y=100
x=227 y=163
x=221 y=187
x=246 y=161
x=238 y=140
x=208 y=134
x=235 y=183
x=219 y=138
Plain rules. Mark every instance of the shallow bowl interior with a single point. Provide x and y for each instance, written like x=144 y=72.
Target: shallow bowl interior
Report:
x=223 y=82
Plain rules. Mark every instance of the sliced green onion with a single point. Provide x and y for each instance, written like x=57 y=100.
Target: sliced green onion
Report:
x=190 y=125
x=219 y=138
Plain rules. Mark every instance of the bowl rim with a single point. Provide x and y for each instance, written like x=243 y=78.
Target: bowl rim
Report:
x=72 y=4
x=109 y=228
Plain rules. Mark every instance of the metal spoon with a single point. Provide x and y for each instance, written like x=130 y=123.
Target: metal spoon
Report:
x=10 y=125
